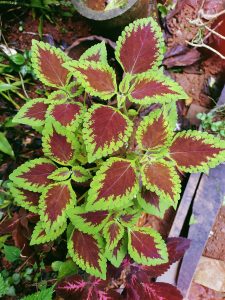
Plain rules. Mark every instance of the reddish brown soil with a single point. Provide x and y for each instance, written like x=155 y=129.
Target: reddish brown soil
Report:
x=96 y=4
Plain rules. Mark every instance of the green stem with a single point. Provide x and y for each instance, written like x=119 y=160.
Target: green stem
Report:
x=10 y=100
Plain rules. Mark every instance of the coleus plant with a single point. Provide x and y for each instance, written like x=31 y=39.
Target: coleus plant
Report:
x=103 y=163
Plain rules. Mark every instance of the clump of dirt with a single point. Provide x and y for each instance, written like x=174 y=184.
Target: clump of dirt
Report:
x=96 y=4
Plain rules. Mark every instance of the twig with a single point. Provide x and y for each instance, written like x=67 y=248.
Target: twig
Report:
x=202 y=45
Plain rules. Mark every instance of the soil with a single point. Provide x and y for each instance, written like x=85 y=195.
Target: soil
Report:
x=96 y=4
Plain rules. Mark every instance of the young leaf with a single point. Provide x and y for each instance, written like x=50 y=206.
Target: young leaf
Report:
x=32 y=113
x=87 y=251
x=27 y=199
x=47 y=62
x=146 y=246
x=117 y=254
x=113 y=232
x=74 y=89
x=152 y=204
x=12 y=253
x=195 y=151
x=161 y=177
x=55 y=200
x=44 y=294
x=5 y=146
x=129 y=216
x=114 y=185
x=106 y=130
x=154 y=88
x=80 y=174
x=140 y=46
x=154 y=132
x=88 y=221
x=33 y=174
x=58 y=144
x=60 y=174
x=40 y=235
x=98 y=79
x=97 y=53
x=56 y=96
x=67 y=114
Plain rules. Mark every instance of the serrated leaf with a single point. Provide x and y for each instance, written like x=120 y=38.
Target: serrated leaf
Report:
x=60 y=174
x=27 y=199
x=41 y=236
x=161 y=177
x=32 y=113
x=55 y=200
x=154 y=132
x=80 y=174
x=129 y=217
x=58 y=144
x=56 y=96
x=87 y=251
x=97 y=79
x=117 y=254
x=4 y=286
x=68 y=115
x=113 y=232
x=97 y=53
x=114 y=185
x=74 y=89
x=140 y=46
x=44 y=294
x=12 y=253
x=47 y=62
x=33 y=174
x=152 y=204
x=88 y=221
x=106 y=130
x=195 y=151
x=146 y=246
x=151 y=87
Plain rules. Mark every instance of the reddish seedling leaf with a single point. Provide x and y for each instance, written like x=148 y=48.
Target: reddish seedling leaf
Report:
x=176 y=248
x=66 y=114
x=88 y=221
x=27 y=199
x=97 y=53
x=196 y=151
x=114 y=185
x=150 y=88
x=140 y=46
x=59 y=144
x=48 y=64
x=106 y=130
x=32 y=113
x=152 y=203
x=56 y=199
x=74 y=287
x=97 y=79
x=87 y=251
x=33 y=175
x=161 y=177
x=113 y=232
x=146 y=246
x=153 y=132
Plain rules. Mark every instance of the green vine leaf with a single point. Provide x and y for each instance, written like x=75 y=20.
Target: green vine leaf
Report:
x=97 y=53
x=161 y=177
x=195 y=151
x=97 y=79
x=41 y=236
x=27 y=199
x=87 y=251
x=47 y=62
x=140 y=46
x=146 y=246
x=80 y=174
x=114 y=185
x=33 y=174
x=105 y=131
x=55 y=201
x=88 y=221
x=58 y=144
x=154 y=132
x=32 y=113
x=152 y=87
